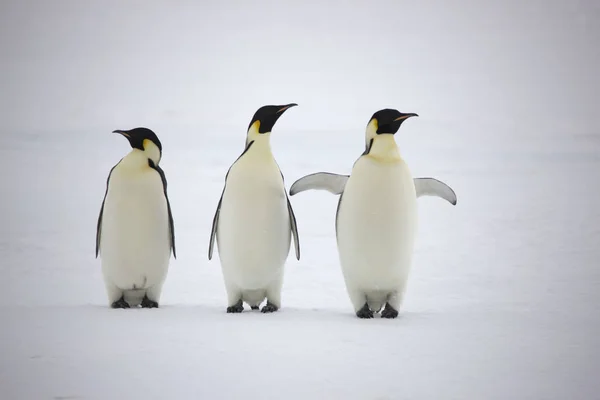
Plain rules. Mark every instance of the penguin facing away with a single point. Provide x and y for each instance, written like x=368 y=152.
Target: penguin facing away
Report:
x=135 y=232
x=376 y=218
x=254 y=222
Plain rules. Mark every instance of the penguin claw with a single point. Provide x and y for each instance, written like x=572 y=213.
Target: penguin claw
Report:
x=389 y=312
x=147 y=303
x=365 y=312
x=121 y=303
x=236 y=308
x=269 y=308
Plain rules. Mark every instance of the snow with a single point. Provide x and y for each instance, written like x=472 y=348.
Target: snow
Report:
x=502 y=301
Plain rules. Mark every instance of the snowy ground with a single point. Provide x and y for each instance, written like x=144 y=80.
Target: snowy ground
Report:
x=502 y=302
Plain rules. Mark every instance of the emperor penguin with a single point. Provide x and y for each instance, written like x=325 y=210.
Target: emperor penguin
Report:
x=254 y=221
x=376 y=218
x=135 y=233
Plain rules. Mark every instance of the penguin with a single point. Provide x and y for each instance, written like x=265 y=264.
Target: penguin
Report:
x=135 y=232
x=254 y=221
x=376 y=217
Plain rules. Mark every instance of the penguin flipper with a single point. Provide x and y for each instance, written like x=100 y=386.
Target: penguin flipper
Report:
x=163 y=178
x=333 y=183
x=99 y=224
x=293 y=224
x=436 y=188
x=213 y=230
x=294 y=227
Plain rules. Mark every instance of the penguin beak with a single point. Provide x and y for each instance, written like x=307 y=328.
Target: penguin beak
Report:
x=405 y=116
x=122 y=133
x=283 y=108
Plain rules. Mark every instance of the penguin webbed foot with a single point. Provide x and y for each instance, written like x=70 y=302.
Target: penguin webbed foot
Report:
x=147 y=303
x=269 y=308
x=365 y=312
x=254 y=307
x=389 y=311
x=236 y=308
x=121 y=303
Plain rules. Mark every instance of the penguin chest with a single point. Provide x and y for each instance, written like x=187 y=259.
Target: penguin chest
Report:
x=135 y=229
x=253 y=233
x=376 y=223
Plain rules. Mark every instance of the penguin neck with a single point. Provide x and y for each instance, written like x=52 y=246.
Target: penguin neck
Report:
x=135 y=159
x=384 y=148
x=152 y=151
x=261 y=144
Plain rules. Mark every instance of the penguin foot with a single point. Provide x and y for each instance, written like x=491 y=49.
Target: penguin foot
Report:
x=121 y=303
x=389 y=312
x=147 y=303
x=236 y=308
x=269 y=308
x=254 y=307
x=365 y=312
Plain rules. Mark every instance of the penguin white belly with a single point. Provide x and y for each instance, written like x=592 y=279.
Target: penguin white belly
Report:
x=376 y=227
x=253 y=234
x=135 y=241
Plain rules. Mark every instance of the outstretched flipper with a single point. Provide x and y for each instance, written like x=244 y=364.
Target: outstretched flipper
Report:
x=335 y=183
x=436 y=188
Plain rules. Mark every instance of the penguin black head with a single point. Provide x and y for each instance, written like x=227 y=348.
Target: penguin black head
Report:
x=388 y=121
x=137 y=136
x=145 y=140
x=266 y=116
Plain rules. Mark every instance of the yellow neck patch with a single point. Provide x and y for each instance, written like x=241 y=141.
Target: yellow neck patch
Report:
x=384 y=149
x=151 y=150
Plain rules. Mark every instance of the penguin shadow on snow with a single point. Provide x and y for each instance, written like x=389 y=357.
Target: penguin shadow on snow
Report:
x=194 y=314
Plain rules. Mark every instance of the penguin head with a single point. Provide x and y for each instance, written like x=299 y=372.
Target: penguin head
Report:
x=145 y=140
x=385 y=122
x=388 y=121
x=265 y=117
